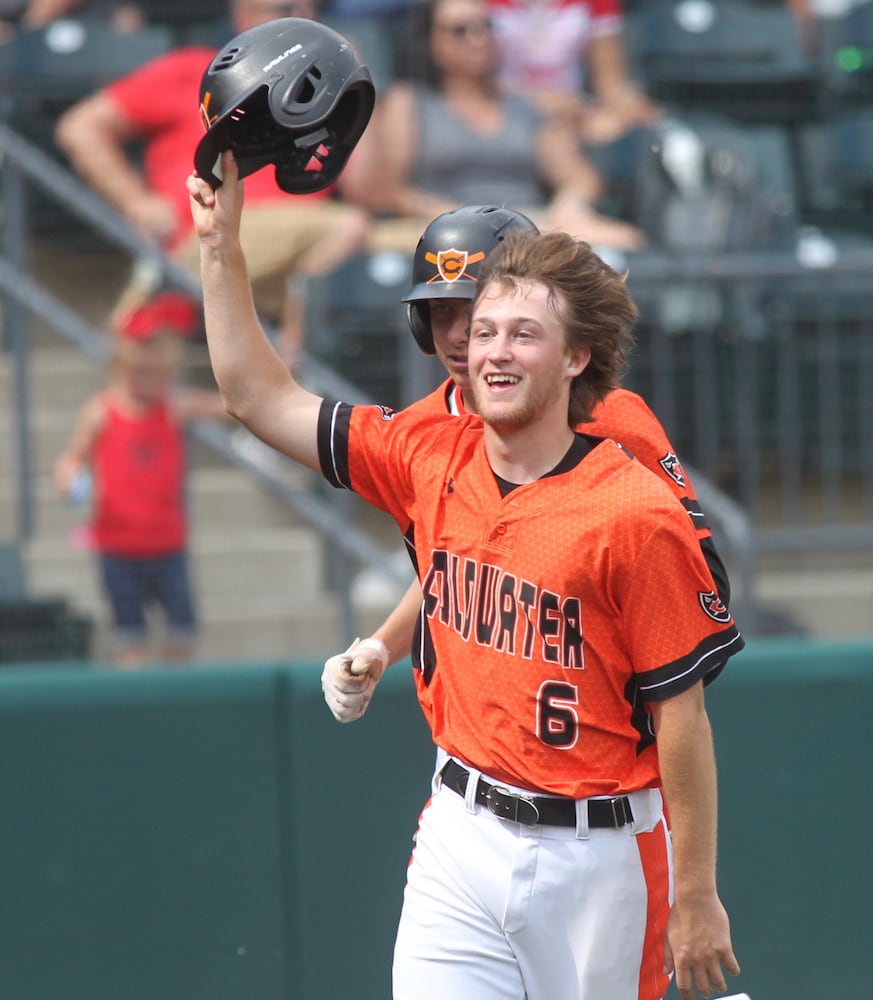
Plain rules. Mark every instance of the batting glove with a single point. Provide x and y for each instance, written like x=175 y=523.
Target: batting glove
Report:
x=350 y=678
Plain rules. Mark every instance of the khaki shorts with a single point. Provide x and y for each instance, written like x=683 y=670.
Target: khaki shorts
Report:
x=275 y=235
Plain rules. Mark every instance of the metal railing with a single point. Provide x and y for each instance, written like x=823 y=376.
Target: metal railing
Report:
x=761 y=368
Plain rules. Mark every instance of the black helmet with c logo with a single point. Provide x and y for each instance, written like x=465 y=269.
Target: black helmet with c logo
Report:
x=449 y=255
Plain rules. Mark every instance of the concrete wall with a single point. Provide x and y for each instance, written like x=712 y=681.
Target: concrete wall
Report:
x=211 y=833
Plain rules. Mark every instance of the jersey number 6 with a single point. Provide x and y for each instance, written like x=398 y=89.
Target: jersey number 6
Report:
x=557 y=720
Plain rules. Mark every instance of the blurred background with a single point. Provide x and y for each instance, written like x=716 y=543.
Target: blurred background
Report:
x=750 y=183
x=749 y=179
x=733 y=145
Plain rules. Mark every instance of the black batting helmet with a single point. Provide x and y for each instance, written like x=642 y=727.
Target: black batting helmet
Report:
x=291 y=92
x=448 y=258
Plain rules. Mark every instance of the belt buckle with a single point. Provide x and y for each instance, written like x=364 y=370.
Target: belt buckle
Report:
x=507 y=805
x=620 y=811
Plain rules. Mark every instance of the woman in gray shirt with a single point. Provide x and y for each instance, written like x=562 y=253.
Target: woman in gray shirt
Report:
x=448 y=135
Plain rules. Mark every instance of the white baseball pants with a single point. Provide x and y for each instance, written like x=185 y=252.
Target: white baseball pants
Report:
x=498 y=911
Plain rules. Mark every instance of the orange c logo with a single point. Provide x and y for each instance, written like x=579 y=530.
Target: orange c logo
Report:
x=452 y=264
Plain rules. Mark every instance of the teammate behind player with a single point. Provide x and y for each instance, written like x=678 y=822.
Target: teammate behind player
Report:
x=445 y=272
x=543 y=865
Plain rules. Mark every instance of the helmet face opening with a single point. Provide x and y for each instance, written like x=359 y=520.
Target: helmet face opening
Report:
x=291 y=93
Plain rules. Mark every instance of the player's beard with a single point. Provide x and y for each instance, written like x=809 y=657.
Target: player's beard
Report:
x=522 y=411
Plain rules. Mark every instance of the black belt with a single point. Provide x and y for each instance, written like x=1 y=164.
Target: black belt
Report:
x=537 y=810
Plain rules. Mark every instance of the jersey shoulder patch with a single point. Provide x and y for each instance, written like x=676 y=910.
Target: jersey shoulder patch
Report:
x=714 y=606
x=673 y=468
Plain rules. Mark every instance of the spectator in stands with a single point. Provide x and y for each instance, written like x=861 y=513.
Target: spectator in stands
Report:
x=450 y=135
x=556 y=50
x=287 y=238
x=128 y=440
x=569 y=56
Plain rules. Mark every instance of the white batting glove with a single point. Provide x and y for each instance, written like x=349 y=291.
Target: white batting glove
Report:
x=350 y=678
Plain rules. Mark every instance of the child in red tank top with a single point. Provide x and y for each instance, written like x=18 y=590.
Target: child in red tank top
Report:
x=129 y=437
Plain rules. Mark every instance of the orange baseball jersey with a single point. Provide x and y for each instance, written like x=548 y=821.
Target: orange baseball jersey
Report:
x=625 y=417
x=551 y=614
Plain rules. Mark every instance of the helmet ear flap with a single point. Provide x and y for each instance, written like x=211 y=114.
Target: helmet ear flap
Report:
x=418 y=316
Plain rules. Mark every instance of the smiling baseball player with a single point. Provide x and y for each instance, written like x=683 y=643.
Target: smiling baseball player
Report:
x=569 y=627
x=446 y=266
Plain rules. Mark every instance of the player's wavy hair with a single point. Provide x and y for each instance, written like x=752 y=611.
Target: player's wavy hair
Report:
x=586 y=294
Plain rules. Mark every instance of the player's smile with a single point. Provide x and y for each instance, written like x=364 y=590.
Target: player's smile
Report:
x=501 y=378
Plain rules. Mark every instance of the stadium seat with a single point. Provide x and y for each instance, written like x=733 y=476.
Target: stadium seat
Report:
x=845 y=48
x=837 y=170
x=726 y=56
x=71 y=58
x=36 y=628
x=739 y=195
x=189 y=18
x=43 y=72
x=356 y=323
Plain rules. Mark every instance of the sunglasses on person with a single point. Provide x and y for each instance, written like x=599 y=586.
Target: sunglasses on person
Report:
x=467 y=29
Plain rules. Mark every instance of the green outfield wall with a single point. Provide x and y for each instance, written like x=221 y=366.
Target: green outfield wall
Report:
x=212 y=833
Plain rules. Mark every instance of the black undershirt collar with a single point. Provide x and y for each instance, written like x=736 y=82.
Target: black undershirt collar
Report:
x=581 y=446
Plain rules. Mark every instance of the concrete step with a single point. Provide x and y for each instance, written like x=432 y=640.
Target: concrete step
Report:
x=60 y=378
x=245 y=566
x=224 y=498
x=237 y=636
x=280 y=634
x=49 y=433
x=242 y=617
x=258 y=572
x=87 y=279
x=242 y=636
x=251 y=587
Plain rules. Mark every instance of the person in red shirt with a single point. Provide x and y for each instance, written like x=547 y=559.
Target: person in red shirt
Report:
x=287 y=238
x=570 y=625
x=128 y=441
